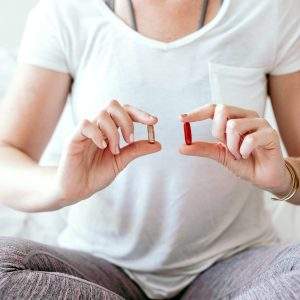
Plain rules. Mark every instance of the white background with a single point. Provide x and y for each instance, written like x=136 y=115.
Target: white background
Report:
x=13 y=15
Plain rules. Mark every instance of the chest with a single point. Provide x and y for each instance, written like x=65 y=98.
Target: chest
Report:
x=167 y=79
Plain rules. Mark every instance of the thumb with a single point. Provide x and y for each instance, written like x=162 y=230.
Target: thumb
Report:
x=215 y=151
x=137 y=149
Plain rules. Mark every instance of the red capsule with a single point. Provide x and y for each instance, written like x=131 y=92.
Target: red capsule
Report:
x=187 y=133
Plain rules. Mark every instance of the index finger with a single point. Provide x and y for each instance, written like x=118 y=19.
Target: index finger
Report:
x=140 y=116
x=208 y=111
x=199 y=114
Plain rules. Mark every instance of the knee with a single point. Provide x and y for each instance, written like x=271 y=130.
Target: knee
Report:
x=12 y=254
x=293 y=254
x=289 y=257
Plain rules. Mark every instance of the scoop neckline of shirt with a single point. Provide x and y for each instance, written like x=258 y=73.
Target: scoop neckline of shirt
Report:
x=187 y=39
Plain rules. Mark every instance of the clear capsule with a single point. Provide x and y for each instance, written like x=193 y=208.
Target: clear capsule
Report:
x=151 y=134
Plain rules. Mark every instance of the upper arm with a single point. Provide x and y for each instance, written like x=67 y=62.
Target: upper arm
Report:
x=32 y=107
x=285 y=96
x=284 y=80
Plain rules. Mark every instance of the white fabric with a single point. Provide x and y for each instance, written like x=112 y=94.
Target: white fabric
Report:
x=167 y=217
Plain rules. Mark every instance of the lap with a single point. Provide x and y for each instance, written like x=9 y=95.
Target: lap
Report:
x=273 y=269
x=20 y=254
x=251 y=271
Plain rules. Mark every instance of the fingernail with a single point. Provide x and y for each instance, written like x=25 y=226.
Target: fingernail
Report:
x=131 y=138
x=104 y=145
x=152 y=118
x=117 y=150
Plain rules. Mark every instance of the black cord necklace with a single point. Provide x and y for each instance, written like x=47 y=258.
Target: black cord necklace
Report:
x=204 y=8
x=133 y=17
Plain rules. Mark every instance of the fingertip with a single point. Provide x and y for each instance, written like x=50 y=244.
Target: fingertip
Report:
x=103 y=145
x=143 y=147
x=180 y=151
x=152 y=120
x=114 y=150
x=239 y=157
x=117 y=150
x=183 y=117
x=245 y=155
x=183 y=150
x=99 y=143
x=160 y=146
x=146 y=143
x=156 y=146
x=131 y=138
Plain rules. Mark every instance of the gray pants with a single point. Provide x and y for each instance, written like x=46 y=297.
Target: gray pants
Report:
x=30 y=270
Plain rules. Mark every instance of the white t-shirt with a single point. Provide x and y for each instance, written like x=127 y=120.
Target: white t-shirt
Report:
x=167 y=217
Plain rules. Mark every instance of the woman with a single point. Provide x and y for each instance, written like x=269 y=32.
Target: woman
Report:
x=181 y=221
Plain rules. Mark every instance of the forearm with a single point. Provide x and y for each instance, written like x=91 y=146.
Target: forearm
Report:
x=295 y=162
x=24 y=185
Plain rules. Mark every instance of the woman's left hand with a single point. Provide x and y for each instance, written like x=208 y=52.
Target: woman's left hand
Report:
x=247 y=145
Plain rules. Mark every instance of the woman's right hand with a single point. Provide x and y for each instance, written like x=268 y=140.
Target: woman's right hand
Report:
x=92 y=159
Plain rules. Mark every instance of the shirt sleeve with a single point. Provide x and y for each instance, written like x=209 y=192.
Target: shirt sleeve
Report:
x=42 y=44
x=287 y=55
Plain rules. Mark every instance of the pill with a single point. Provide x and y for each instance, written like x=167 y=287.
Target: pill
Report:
x=187 y=133
x=151 y=134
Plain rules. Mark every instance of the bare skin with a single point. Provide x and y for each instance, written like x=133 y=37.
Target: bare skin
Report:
x=32 y=107
x=173 y=19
